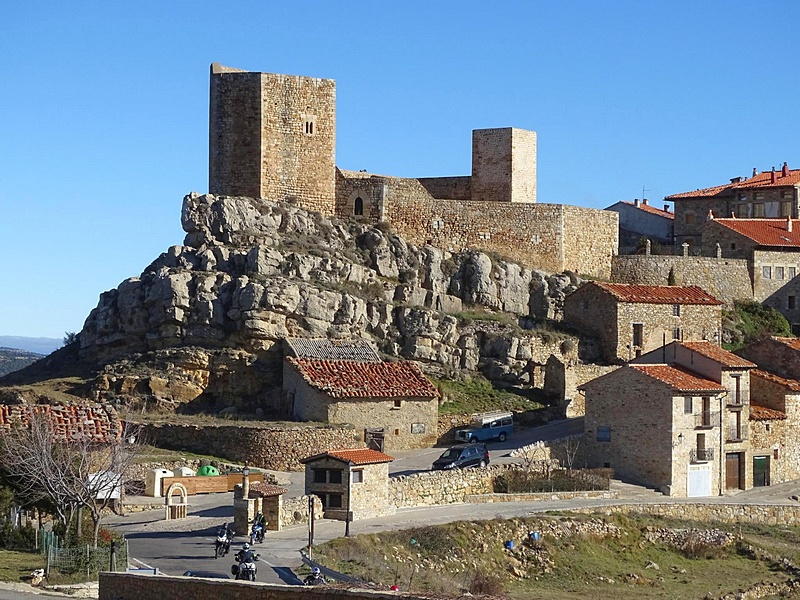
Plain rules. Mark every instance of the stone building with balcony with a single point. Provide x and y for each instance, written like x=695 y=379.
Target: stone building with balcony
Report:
x=352 y=483
x=630 y=320
x=770 y=194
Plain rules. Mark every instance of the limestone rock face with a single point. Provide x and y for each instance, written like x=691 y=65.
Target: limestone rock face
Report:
x=202 y=324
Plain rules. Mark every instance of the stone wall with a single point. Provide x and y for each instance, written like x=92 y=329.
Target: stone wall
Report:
x=431 y=488
x=503 y=165
x=727 y=279
x=452 y=188
x=692 y=213
x=777 y=439
x=294 y=511
x=114 y=586
x=270 y=447
x=776 y=282
x=761 y=514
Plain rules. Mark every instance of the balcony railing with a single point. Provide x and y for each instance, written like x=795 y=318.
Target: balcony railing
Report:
x=706 y=420
x=701 y=454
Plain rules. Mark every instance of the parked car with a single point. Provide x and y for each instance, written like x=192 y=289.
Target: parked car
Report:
x=462 y=456
x=495 y=425
x=207 y=574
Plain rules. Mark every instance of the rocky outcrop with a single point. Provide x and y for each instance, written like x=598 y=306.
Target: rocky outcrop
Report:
x=203 y=323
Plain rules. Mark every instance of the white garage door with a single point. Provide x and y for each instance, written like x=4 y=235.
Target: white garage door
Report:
x=699 y=483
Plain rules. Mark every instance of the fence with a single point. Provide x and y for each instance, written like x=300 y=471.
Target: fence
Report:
x=88 y=560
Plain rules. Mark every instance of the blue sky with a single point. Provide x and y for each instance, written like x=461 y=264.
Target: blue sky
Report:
x=104 y=110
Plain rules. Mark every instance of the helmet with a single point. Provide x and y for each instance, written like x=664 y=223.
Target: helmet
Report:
x=315 y=571
x=246 y=546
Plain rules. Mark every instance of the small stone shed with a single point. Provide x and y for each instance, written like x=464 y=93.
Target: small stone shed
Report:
x=354 y=480
x=252 y=498
x=393 y=403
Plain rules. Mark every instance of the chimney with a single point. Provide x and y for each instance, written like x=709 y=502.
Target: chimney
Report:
x=735 y=179
x=755 y=172
x=710 y=216
x=636 y=202
x=789 y=224
x=784 y=169
x=666 y=208
x=644 y=201
x=772 y=176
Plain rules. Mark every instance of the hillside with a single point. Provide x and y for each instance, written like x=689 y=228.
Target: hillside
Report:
x=13 y=359
x=201 y=328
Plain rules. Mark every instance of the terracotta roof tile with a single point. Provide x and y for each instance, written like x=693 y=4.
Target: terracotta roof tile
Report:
x=679 y=379
x=98 y=423
x=658 y=294
x=265 y=490
x=715 y=353
x=765 y=232
x=352 y=379
x=651 y=209
x=760 y=180
x=357 y=456
x=790 y=384
x=762 y=413
x=709 y=192
x=793 y=343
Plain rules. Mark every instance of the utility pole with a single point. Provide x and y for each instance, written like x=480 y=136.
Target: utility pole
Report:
x=310 y=524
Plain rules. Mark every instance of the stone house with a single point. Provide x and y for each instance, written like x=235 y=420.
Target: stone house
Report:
x=771 y=248
x=657 y=425
x=779 y=355
x=273 y=136
x=393 y=403
x=630 y=319
x=770 y=194
x=354 y=481
x=639 y=219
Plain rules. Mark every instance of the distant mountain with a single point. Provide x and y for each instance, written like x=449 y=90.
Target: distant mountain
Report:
x=13 y=359
x=39 y=345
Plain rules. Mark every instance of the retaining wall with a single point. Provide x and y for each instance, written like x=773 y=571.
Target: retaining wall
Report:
x=761 y=514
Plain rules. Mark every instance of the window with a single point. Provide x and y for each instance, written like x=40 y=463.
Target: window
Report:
x=398 y=403
x=327 y=475
x=766 y=272
x=741 y=210
x=333 y=501
x=309 y=126
x=784 y=194
x=737 y=389
x=334 y=476
x=676 y=310
x=778 y=272
x=733 y=245
x=791 y=302
x=358 y=476
x=676 y=333
x=358 y=207
x=758 y=197
x=706 y=416
x=638 y=334
x=687 y=405
x=735 y=425
x=604 y=434
x=689 y=219
x=320 y=476
x=758 y=210
x=786 y=209
x=790 y=272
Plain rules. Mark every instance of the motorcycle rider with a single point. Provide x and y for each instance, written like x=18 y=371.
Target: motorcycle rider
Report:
x=259 y=526
x=224 y=533
x=245 y=557
x=316 y=578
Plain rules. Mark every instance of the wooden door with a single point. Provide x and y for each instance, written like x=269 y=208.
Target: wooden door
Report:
x=733 y=478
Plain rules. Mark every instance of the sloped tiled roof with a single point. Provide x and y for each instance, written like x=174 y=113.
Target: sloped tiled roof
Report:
x=352 y=379
x=717 y=354
x=323 y=348
x=793 y=343
x=762 y=413
x=679 y=379
x=658 y=294
x=759 y=180
x=765 y=232
x=790 y=384
x=97 y=423
x=265 y=490
x=651 y=209
x=357 y=456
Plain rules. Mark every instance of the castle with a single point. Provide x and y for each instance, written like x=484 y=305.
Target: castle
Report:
x=274 y=136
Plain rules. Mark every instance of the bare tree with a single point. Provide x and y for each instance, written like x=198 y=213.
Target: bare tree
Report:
x=570 y=446
x=536 y=457
x=73 y=469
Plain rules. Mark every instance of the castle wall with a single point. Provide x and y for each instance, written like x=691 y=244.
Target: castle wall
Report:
x=504 y=165
x=451 y=188
x=727 y=279
x=590 y=240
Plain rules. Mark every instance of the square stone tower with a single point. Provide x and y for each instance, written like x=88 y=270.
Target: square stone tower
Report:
x=272 y=136
x=504 y=165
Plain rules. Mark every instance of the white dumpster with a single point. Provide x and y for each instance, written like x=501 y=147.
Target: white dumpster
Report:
x=184 y=472
x=152 y=482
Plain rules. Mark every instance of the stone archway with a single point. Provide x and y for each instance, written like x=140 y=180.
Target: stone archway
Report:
x=173 y=509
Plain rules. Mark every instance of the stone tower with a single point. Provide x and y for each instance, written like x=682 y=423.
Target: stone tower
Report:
x=272 y=136
x=504 y=165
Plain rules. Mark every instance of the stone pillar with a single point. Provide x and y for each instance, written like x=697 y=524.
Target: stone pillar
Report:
x=647 y=248
x=685 y=246
x=719 y=250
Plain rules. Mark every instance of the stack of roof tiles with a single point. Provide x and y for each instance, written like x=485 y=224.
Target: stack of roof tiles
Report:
x=69 y=422
x=354 y=379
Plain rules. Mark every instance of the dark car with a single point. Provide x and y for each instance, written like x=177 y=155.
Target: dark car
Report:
x=208 y=574
x=462 y=456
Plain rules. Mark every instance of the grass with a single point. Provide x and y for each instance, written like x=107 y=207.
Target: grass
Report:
x=592 y=562
x=479 y=395
x=14 y=566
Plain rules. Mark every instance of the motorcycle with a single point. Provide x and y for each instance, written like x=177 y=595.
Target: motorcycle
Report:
x=246 y=567
x=222 y=544
x=257 y=534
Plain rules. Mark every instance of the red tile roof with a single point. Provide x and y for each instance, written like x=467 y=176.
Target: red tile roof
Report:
x=765 y=232
x=793 y=343
x=351 y=379
x=790 y=384
x=681 y=380
x=760 y=180
x=651 y=209
x=357 y=456
x=658 y=294
x=762 y=413
x=717 y=354
x=265 y=490
x=97 y=423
